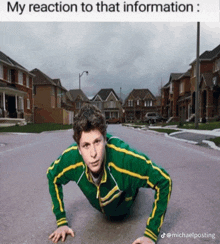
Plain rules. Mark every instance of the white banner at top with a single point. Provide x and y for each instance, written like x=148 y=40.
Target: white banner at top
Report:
x=110 y=11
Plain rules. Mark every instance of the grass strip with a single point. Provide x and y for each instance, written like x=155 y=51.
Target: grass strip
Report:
x=202 y=126
x=35 y=128
x=216 y=140
x=168 y=131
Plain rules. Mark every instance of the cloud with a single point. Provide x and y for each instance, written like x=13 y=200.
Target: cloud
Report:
x=127 y=55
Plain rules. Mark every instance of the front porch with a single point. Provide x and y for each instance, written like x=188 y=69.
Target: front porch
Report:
x=11 y=106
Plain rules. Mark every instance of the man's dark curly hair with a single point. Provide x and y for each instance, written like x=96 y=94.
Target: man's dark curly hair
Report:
x=88 y=118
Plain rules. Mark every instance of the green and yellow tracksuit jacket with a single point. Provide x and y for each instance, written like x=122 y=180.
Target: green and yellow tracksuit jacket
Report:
x=125 y=171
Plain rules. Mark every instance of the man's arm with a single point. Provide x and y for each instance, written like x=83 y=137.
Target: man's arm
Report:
x=159 y=180
x=55 y=180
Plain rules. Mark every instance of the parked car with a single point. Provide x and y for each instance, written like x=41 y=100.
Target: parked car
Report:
x=113 y=121
x=153 y=117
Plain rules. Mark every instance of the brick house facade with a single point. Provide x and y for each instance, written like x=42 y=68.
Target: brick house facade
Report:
x=50 y=100
x=109 y=103
x=178 y=95
x=138 y=103
x=16 y=92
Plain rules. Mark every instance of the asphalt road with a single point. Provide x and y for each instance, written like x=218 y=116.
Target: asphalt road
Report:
x=26 y=216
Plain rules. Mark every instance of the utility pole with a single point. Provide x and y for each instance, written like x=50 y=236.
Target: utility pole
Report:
x=197 y=77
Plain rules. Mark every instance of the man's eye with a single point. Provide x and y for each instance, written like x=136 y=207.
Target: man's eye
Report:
x=86 y=146
x=97 y=142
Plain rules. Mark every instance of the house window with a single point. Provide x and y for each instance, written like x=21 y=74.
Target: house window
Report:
x=59 y=93
x=182 y=87
x=35 y=90
x=148 y=103
x=52 y=91
x=137 y=102
x=130 y=103
x=20 y=78
x=9 y=75
x=1 y=71
x=27 y=81
x=217 y=65
x=21 y=103
x=171 y=87
x=112 y=104
x=78 y=105
x=28 y=104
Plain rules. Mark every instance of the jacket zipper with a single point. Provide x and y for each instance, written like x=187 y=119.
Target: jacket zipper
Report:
x=98 y=195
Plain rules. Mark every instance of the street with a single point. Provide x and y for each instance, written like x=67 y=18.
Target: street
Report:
x=192 y=216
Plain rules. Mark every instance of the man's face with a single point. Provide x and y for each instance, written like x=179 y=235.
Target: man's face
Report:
x=92 y=148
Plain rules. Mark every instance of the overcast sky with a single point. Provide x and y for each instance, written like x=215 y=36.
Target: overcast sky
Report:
x=126 y=55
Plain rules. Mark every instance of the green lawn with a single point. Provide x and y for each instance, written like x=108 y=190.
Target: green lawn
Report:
x=202 y=126
x=35 y=128
x=216 y=141
x=168 y=131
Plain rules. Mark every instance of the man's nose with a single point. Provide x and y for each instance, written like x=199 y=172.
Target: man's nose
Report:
x=93 y=152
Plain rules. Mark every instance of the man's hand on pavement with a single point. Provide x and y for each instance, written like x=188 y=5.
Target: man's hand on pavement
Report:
x=61 y=232
x=143 y=240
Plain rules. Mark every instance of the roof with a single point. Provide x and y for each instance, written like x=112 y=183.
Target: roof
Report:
x=58 y=83
x=5 y=59
x=175 y=76
x=78 y=92
x=69 y=96
x=104 y=93
x=11 y=88
x=184 y=75
x=209 y=55
x=42 y=79
x=142 y=94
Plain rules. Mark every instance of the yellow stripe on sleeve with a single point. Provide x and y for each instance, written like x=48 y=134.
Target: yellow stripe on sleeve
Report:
x=155 y=205
x=60 y=220
x=58 y=160
x=61 y=174
x=151 y=234
x=62 y=223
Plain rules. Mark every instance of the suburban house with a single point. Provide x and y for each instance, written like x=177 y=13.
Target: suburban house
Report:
x=79 y=98
x=138 y=103
x=178 y=95
x=184 y=106
x=109 y=103
x=16 y=101
x=209 y=85
x=51 y=104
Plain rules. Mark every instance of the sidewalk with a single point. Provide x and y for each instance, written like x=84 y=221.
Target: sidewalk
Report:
x=199 y=137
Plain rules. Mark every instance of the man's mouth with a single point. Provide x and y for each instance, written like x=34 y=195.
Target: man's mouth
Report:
x=94 y=163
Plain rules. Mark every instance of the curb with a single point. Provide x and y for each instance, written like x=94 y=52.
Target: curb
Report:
x=211 y=144
x=179 y=139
